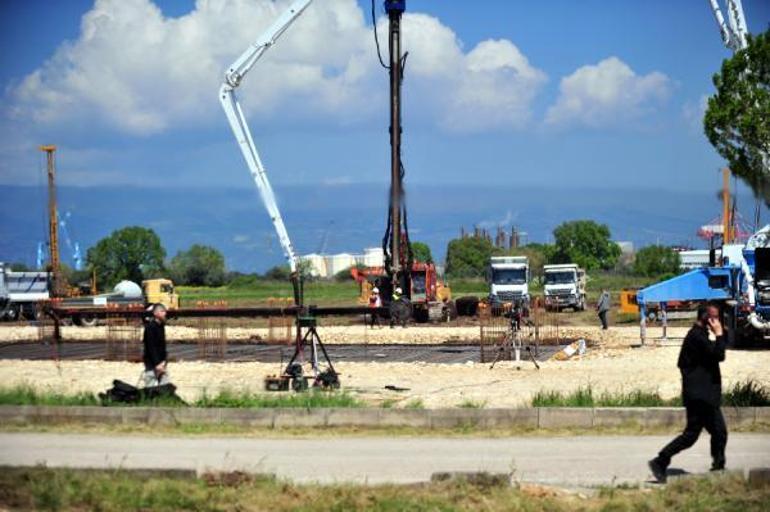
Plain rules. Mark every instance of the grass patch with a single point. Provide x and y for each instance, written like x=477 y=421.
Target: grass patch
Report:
x=472 y=404
x=586 y=397
x=307 y=400
x=415 y=404
x=747 y=394
x=49 y=489
x=25 y=394
x=742 y=394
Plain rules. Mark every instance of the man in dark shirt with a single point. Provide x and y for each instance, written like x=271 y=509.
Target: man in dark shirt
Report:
x=702 y=351
x=154 y=340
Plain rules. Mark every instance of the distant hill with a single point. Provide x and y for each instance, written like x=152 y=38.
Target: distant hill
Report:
x=234 y=220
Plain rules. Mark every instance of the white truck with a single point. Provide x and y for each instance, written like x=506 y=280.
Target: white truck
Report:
x=20 y=292
x=508 y=278
x=564 y=287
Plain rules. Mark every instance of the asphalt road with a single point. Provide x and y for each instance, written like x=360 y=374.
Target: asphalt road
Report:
x=583 y=461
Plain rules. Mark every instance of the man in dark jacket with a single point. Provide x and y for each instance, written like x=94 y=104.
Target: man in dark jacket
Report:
x=154 y=340
x=702 y=351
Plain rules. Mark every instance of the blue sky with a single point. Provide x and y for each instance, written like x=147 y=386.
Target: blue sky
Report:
x=537 y=113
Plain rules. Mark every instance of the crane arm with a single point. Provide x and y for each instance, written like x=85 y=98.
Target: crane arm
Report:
x=734 y=32
x=233 y=78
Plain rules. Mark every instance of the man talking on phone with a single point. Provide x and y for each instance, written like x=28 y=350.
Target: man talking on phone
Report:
x=702 y=351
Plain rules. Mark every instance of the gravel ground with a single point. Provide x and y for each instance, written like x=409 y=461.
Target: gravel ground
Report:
x=610 y=365
x=616 y=336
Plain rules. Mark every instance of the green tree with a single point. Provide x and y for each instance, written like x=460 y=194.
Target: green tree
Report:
x=134 y=253
x=737 y=120
x=468 y=257
x=586 y=243
x=19 y=267
x=200 y=265
x=656 y=260
x=421 y=252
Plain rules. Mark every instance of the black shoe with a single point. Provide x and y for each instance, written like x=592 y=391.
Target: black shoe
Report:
x=658 y=469
x=717 y=466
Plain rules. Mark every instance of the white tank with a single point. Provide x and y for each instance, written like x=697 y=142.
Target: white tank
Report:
x=128 y=289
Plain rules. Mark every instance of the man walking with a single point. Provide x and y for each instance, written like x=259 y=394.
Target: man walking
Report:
x=154 y=340
x=702 y=351
x=603 y=307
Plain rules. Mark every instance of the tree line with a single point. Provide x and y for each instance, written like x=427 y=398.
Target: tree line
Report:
x=136 y=253
x=583 y=242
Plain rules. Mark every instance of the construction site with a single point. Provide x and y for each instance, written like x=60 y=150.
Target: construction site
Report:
x=406 y=334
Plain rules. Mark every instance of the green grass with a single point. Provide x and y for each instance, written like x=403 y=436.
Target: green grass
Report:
x=415 y=404
x=586 y=397
x=26 y=395
x=747 y=394
x=472 y=404
x=307 y=400
x=52 y=489
x=741 y=394
x=257 y=294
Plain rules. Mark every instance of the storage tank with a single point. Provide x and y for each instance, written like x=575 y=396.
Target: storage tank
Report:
x=128 y=289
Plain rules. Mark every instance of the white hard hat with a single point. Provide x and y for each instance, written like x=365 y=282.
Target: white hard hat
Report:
x=375 y=290
x=399 y=290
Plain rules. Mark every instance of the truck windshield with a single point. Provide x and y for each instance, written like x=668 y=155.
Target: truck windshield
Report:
x=509 y=275
x=559 y=277
x=418 y=284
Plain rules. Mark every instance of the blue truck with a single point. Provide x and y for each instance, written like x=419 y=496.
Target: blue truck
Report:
x=739 y=280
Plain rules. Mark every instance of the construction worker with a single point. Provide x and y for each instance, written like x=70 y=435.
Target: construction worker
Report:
x=702 y=351
x=603 y=307
x=375 y=301
x=154 y=341
x=399 y=308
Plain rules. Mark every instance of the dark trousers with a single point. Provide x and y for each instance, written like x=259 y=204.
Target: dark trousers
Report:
x=700 y=415
x=603 y=318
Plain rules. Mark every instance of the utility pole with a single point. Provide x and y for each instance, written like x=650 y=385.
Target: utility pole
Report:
x=54 y=264
x=727 y=221
x=397 y=271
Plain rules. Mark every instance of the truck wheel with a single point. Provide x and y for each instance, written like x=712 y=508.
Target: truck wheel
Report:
x=84 y=321
x=12 y=313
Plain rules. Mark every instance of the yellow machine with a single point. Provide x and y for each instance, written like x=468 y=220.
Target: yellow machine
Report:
x=628 y=302
x=160 y=291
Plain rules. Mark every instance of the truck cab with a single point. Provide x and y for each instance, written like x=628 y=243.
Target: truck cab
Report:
x=508 y=278
x=564 y=287
x=160 y=291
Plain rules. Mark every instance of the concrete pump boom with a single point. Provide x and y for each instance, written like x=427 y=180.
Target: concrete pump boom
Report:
x=233 y=78
x=734 y=33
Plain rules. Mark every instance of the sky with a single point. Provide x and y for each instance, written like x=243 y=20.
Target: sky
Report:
x=572 y=95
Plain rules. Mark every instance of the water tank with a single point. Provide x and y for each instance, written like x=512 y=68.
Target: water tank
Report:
x=128 y=289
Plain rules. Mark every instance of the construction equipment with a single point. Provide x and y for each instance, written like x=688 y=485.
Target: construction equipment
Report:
x=395 y=242
x=233 y=78
x=564 y=287
x=431 y=297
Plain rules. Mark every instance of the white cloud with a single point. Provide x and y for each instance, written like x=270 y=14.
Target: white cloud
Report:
x=133 y=70
x=693 y=112
x=605 y=94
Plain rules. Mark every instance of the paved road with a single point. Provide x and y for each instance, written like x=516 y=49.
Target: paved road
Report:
x=569 y=461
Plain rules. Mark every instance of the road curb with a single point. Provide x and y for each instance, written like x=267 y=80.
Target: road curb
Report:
x=531 y=418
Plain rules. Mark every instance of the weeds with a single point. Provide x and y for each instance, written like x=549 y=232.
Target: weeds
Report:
x=586 y=397
x=747 y=394
x=50 y=489
x=742 y=394
x=472 y=404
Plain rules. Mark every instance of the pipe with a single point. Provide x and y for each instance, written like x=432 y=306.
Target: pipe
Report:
x=757 y=323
